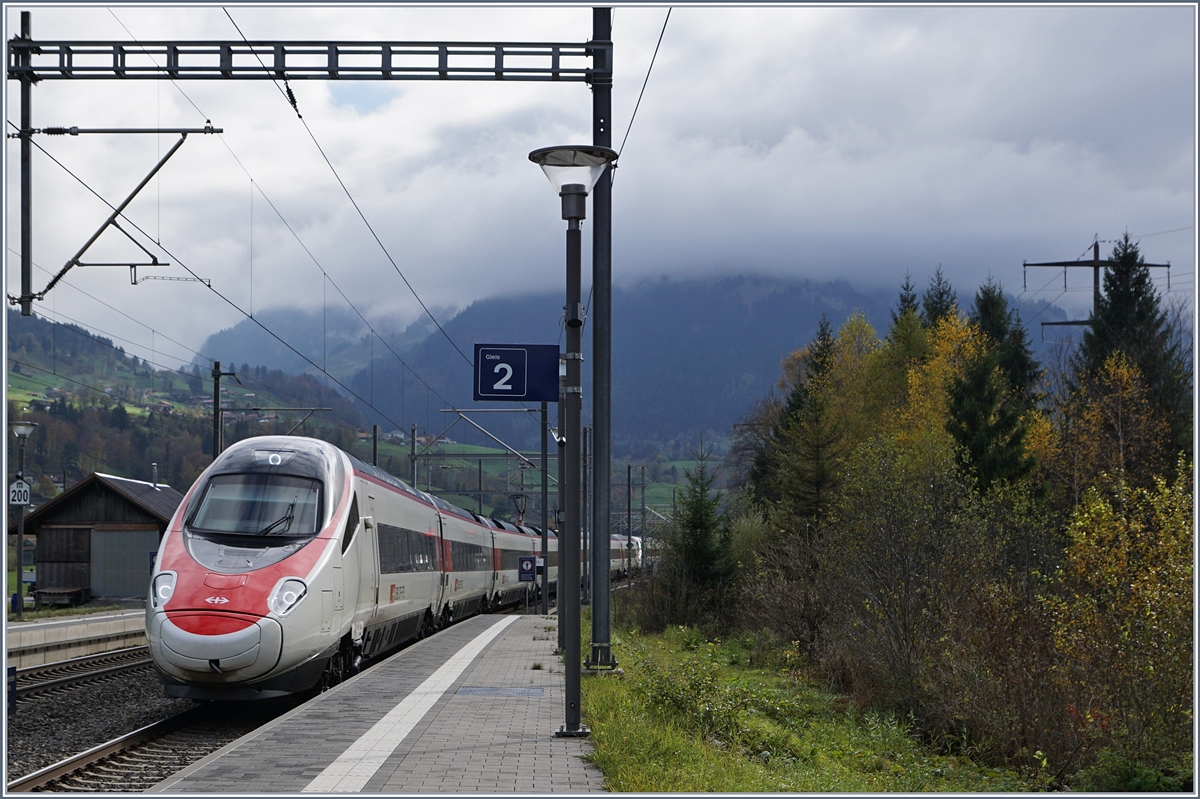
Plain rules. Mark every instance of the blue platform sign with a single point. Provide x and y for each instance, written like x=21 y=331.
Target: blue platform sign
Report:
x=527 y=571
x=516 y=372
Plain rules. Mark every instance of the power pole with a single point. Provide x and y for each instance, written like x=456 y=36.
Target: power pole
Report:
x=628 y=517
x=584 y=523
x=1095 y=264
x=601 y=81
x=642 y=528
x=24 y=60
x=217 y=374
x=412 y=455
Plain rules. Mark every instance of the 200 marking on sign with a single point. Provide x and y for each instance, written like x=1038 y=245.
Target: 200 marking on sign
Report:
x=18 y=493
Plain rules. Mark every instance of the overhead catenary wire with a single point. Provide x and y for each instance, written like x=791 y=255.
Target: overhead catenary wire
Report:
x=649 y=69
x=132 y=403
x=92 y=329
x=257 y=185
x=233 y=304
x=230 y=302
x=290 y=97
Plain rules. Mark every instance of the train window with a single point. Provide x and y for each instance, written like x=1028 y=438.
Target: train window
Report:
x=467 y=557
x=259 y=505
x=402 y=550
x=351 y=524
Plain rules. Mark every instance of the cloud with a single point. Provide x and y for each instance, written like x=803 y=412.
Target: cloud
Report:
x=813 y=142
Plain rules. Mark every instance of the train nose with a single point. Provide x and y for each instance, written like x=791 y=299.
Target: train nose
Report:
x=215 y=647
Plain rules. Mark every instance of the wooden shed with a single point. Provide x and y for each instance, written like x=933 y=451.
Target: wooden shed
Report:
x=99 y=538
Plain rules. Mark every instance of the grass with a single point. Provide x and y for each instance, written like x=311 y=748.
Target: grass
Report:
x=691 y=715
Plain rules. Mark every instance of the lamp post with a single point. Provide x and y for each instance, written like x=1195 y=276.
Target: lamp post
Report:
x=573 y=171
x=22 y=430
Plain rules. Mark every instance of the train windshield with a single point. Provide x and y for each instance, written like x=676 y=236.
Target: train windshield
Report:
x=244 y=522
x=259 y=506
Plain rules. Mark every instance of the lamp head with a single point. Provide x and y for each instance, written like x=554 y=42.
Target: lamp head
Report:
x=22 y=429
x=573 y=164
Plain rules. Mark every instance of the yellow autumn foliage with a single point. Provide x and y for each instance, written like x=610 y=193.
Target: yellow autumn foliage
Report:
x=1124 y=617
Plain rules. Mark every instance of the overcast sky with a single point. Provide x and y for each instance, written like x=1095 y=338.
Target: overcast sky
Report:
x=821 y=143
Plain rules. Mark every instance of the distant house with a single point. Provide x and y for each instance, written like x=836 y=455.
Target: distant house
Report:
x=99 y=538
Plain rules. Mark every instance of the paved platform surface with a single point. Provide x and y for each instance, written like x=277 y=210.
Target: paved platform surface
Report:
x=467 y=711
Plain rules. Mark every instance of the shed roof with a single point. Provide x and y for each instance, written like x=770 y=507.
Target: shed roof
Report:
x=159 y=501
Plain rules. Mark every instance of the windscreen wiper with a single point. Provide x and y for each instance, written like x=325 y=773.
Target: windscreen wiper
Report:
x=285 y=520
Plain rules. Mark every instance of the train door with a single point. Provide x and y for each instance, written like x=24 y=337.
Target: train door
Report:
x=442 y=593
x=368 y=561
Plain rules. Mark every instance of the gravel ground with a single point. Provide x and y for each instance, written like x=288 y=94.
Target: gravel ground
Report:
x=49 y=728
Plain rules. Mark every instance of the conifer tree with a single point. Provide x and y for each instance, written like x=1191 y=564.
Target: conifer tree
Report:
x=698 y=548
x=939 y=300
x=1004 y=329
x=908 y=299
x=986 y=421
x=1128 y=318
x=809 y=444
x=815 y=362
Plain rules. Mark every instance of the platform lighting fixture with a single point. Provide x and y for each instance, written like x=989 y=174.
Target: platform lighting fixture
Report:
x=573 y=171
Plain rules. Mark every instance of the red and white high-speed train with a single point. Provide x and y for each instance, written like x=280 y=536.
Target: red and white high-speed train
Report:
x=290 y=562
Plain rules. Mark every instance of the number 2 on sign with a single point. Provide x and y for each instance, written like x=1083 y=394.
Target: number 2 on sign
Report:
x=502 y=384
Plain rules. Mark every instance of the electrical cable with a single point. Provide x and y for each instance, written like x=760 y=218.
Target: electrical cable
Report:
x=292 y=101
x=89 y=333
x=230 y=302
x=1163 y=232
x=649 y=69
x=43 y=384
x=93 y=297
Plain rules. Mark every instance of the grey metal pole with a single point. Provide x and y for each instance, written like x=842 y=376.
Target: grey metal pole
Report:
x=601 y=654
x=642 y=526
x=558 y=507
x=412 y=454
x=545 y=518
x=585 y=587
x=26 y=135
x=628 y=518
x=21 y=532
x=216 y=376
x=574 y=199
x=375 y=445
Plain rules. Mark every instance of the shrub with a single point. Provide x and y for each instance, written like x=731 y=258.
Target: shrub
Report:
x=1124 y=621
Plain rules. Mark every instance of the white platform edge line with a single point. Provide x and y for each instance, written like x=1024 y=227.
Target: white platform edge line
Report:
x=354 y=767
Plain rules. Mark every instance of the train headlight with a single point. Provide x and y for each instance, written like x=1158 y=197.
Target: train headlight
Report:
x=287 y=595
x=162 y=588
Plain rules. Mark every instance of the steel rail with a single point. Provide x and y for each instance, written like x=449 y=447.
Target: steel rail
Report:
x=47 y=775
x=42 y=686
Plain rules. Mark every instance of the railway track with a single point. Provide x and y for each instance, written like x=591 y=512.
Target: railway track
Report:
x=145 y=757
x=67 y=674
x=138 y=760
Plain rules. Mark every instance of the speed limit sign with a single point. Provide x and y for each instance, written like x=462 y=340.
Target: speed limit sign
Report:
x=18 y=493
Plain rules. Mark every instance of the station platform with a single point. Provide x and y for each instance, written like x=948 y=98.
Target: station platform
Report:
x=473 y=709
x=33 y=643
